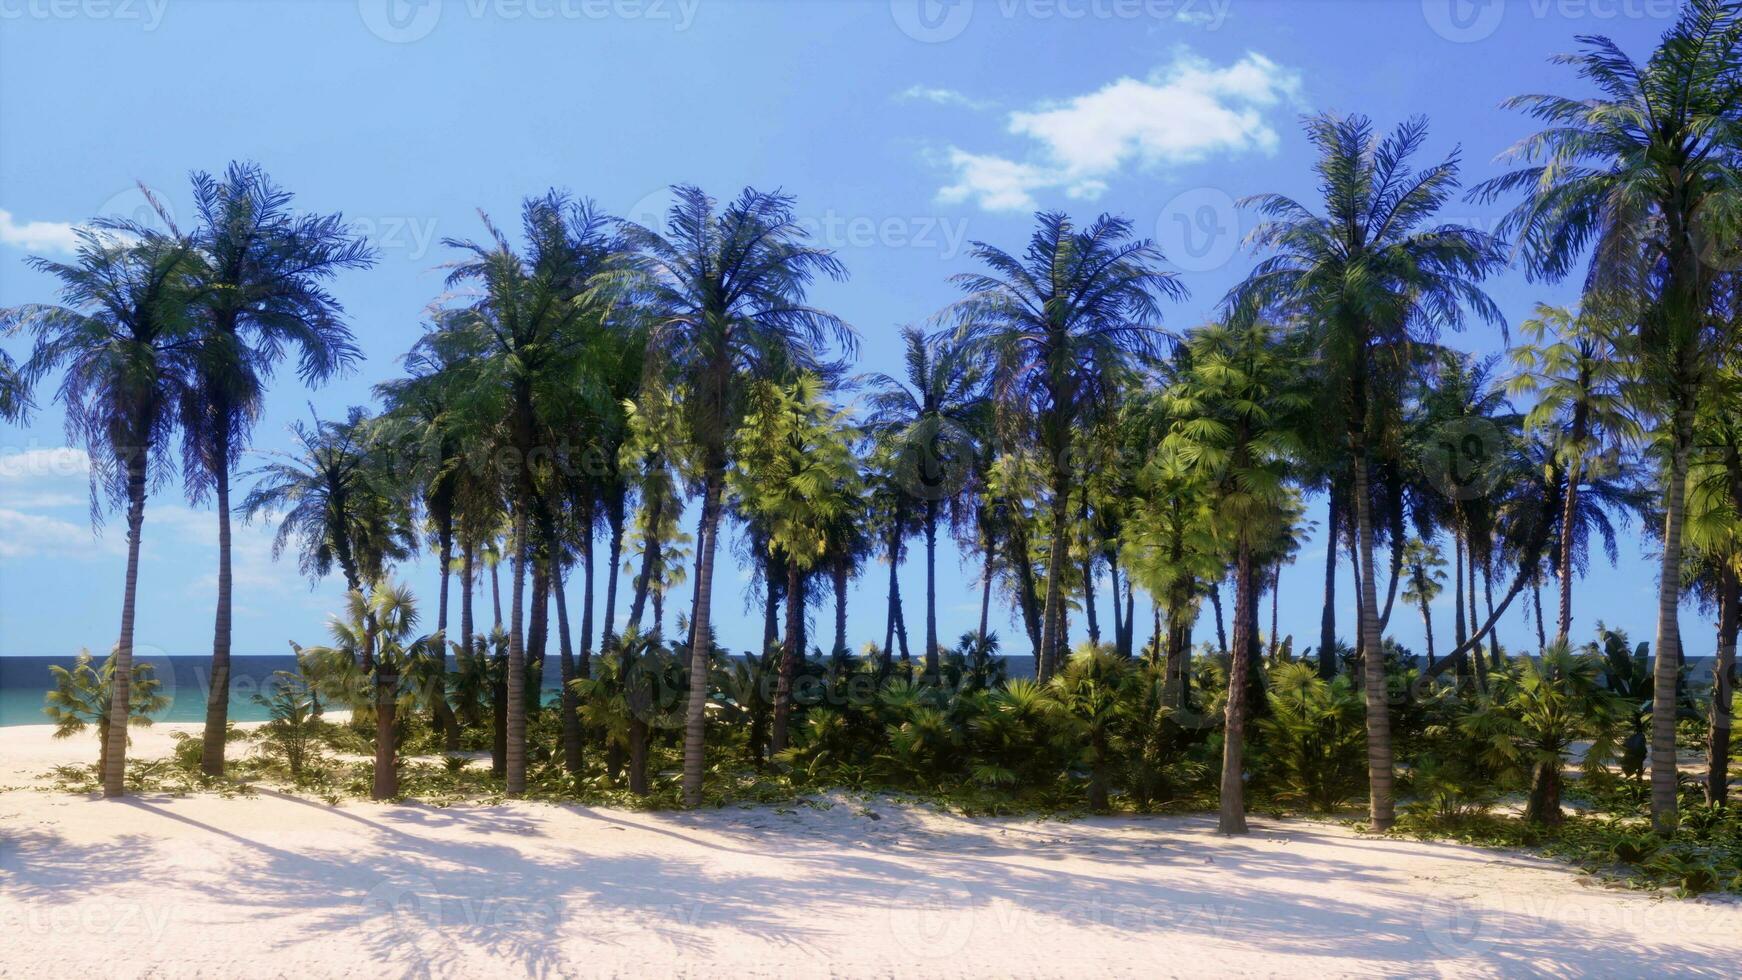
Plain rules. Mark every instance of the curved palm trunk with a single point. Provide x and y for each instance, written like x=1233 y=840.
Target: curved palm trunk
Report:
x=114 y=758
x=1089 y=613
x=1232 y=819
x=514 y=761
x=1541 y=630
x=1221 y=627
x=790 y=654
x=695 y=714
x=1664 y=681
x=496 y=592
x=218 y=693
x=1427 y=624
x=1379 y=772
x=931 y=588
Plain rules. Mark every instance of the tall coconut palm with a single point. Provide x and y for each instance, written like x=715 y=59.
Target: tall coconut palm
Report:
x=126 y=342
x=927 y=416
x=260 y=294
x=1369 y=279
x=531 y=323
x=1061 y=328
x=1643 y=176
x=1581 y=375
x=1235 y=408
x=724 y=290
x=1713 y=568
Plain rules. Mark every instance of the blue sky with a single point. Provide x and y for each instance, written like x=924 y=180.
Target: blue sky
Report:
x=904 y=130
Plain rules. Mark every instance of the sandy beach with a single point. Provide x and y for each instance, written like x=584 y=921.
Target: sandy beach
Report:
x=279 y=885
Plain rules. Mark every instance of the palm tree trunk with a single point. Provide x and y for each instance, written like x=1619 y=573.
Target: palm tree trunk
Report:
x=468 y=571
x=1663 y=716
x=585 y=666
x=386 y=785
x=1221 y=627
x=931 y=587
x=1275 y=600
x=1541 y=630
x=616 y=514
x=114 y=760
x=571 y=719
x=772 y=571
x=695 y=716
x=1328 y=617
x=1052 y=609
x=1232 y=819
x=218 y=693
x=1427 y=623
x=644 y=577
x=1564 y=624
x=790 y=653
x=1089 y=613
x=1718 y=731
x=443 y=714
x=1379 y=773
x=841 y=605
x=515 y=761
x=496 y=592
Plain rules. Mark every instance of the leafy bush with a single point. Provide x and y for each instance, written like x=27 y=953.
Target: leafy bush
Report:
x=1314 y=738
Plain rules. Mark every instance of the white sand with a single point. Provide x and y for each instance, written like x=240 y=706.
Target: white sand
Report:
x=277 y=885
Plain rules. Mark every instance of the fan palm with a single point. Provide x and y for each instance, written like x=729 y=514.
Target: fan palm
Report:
x=1644 y=176
x=724 y=290
x=796 y=473
x=1061 y=328
x=126 y=342
x=1369 y=279
x=1234 y=407
x=926 y=416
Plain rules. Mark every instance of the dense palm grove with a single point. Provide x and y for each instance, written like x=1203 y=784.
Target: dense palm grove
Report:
x=588 y=386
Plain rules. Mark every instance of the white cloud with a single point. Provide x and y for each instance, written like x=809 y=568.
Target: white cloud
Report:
x=1183 y=113
x=24 y=535
x=34 y=465
x=943 y=96
x=38 y=236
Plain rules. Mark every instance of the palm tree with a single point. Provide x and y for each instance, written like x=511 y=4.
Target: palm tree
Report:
x=1061 y=329
x=420 y=421
x=334 y=501
x=1578 y=369
x=530 y=322
x=724 y=290
x=1234 y=409
x=1714 y=546
x=1423 y=582
x=1369 y=280
x=126 y=342
x=259 y=292
x=796 y=473
x=1645 y=176
x=927 y=418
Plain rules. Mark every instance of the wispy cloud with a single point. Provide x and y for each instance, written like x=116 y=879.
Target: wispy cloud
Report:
x=943 y=96
x=38 y=236
x=1185 y=112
